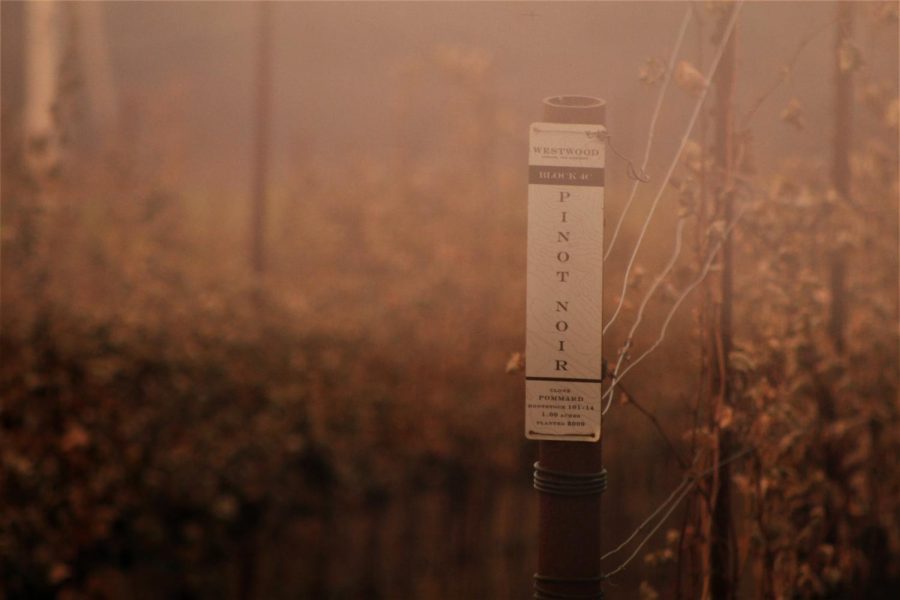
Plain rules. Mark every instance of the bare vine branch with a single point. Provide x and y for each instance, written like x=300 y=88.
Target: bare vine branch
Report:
x=786 y=70
x=684 y=139
x=683 y=489
x=684 y=294
x=667 y=77
x=631 y=400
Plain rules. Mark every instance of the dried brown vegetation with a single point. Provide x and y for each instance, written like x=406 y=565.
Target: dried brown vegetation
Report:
x=342 y=427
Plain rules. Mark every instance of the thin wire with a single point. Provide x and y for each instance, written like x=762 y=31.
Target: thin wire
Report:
x=659 y=524
x=647 y=521
x=641 y=177
x=691 y=481
x=684 y=139
x=681 y=298
x=667 y=77
x=687 y=484
x=623 y=351
x=684 y=294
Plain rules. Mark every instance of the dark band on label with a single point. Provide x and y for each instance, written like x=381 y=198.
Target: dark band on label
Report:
x=573 y=435
x=567 y=379
x=585 y=176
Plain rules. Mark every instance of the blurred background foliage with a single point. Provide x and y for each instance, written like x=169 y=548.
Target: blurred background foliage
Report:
x=341 y=426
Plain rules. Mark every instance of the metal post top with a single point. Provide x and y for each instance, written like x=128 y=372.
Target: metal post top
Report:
x=575 y=109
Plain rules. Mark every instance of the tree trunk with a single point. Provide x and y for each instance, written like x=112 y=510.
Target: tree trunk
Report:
x=840 y=167
x=42 y=139
x=261 y=139
x=722 y=543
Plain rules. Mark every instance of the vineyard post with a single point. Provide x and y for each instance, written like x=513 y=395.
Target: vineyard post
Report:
x=569 y=523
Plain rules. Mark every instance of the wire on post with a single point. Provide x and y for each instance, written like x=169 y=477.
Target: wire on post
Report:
x=633 y=173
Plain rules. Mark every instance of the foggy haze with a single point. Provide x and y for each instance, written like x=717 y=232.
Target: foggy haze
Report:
x=273 y=272
x=338 y=70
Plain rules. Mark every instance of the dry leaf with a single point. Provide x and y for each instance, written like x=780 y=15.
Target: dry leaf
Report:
x=725 y=417
x=692 y=156
x=689 y=78
x=886 y=12
x=716 y=7
x=875 y=95
x=741 y=361
x=637 y=277
x=59 y=572
x=672 y=536
x=74 y=438
x=742 y=483
x=892 y=114
x=515 y=363
x=651 y=71
x=225 y=507
x=717 y=229
x=793 y=114
x=849 y=57
x=647 y=592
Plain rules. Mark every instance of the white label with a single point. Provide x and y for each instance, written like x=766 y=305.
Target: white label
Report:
x=564 y=282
